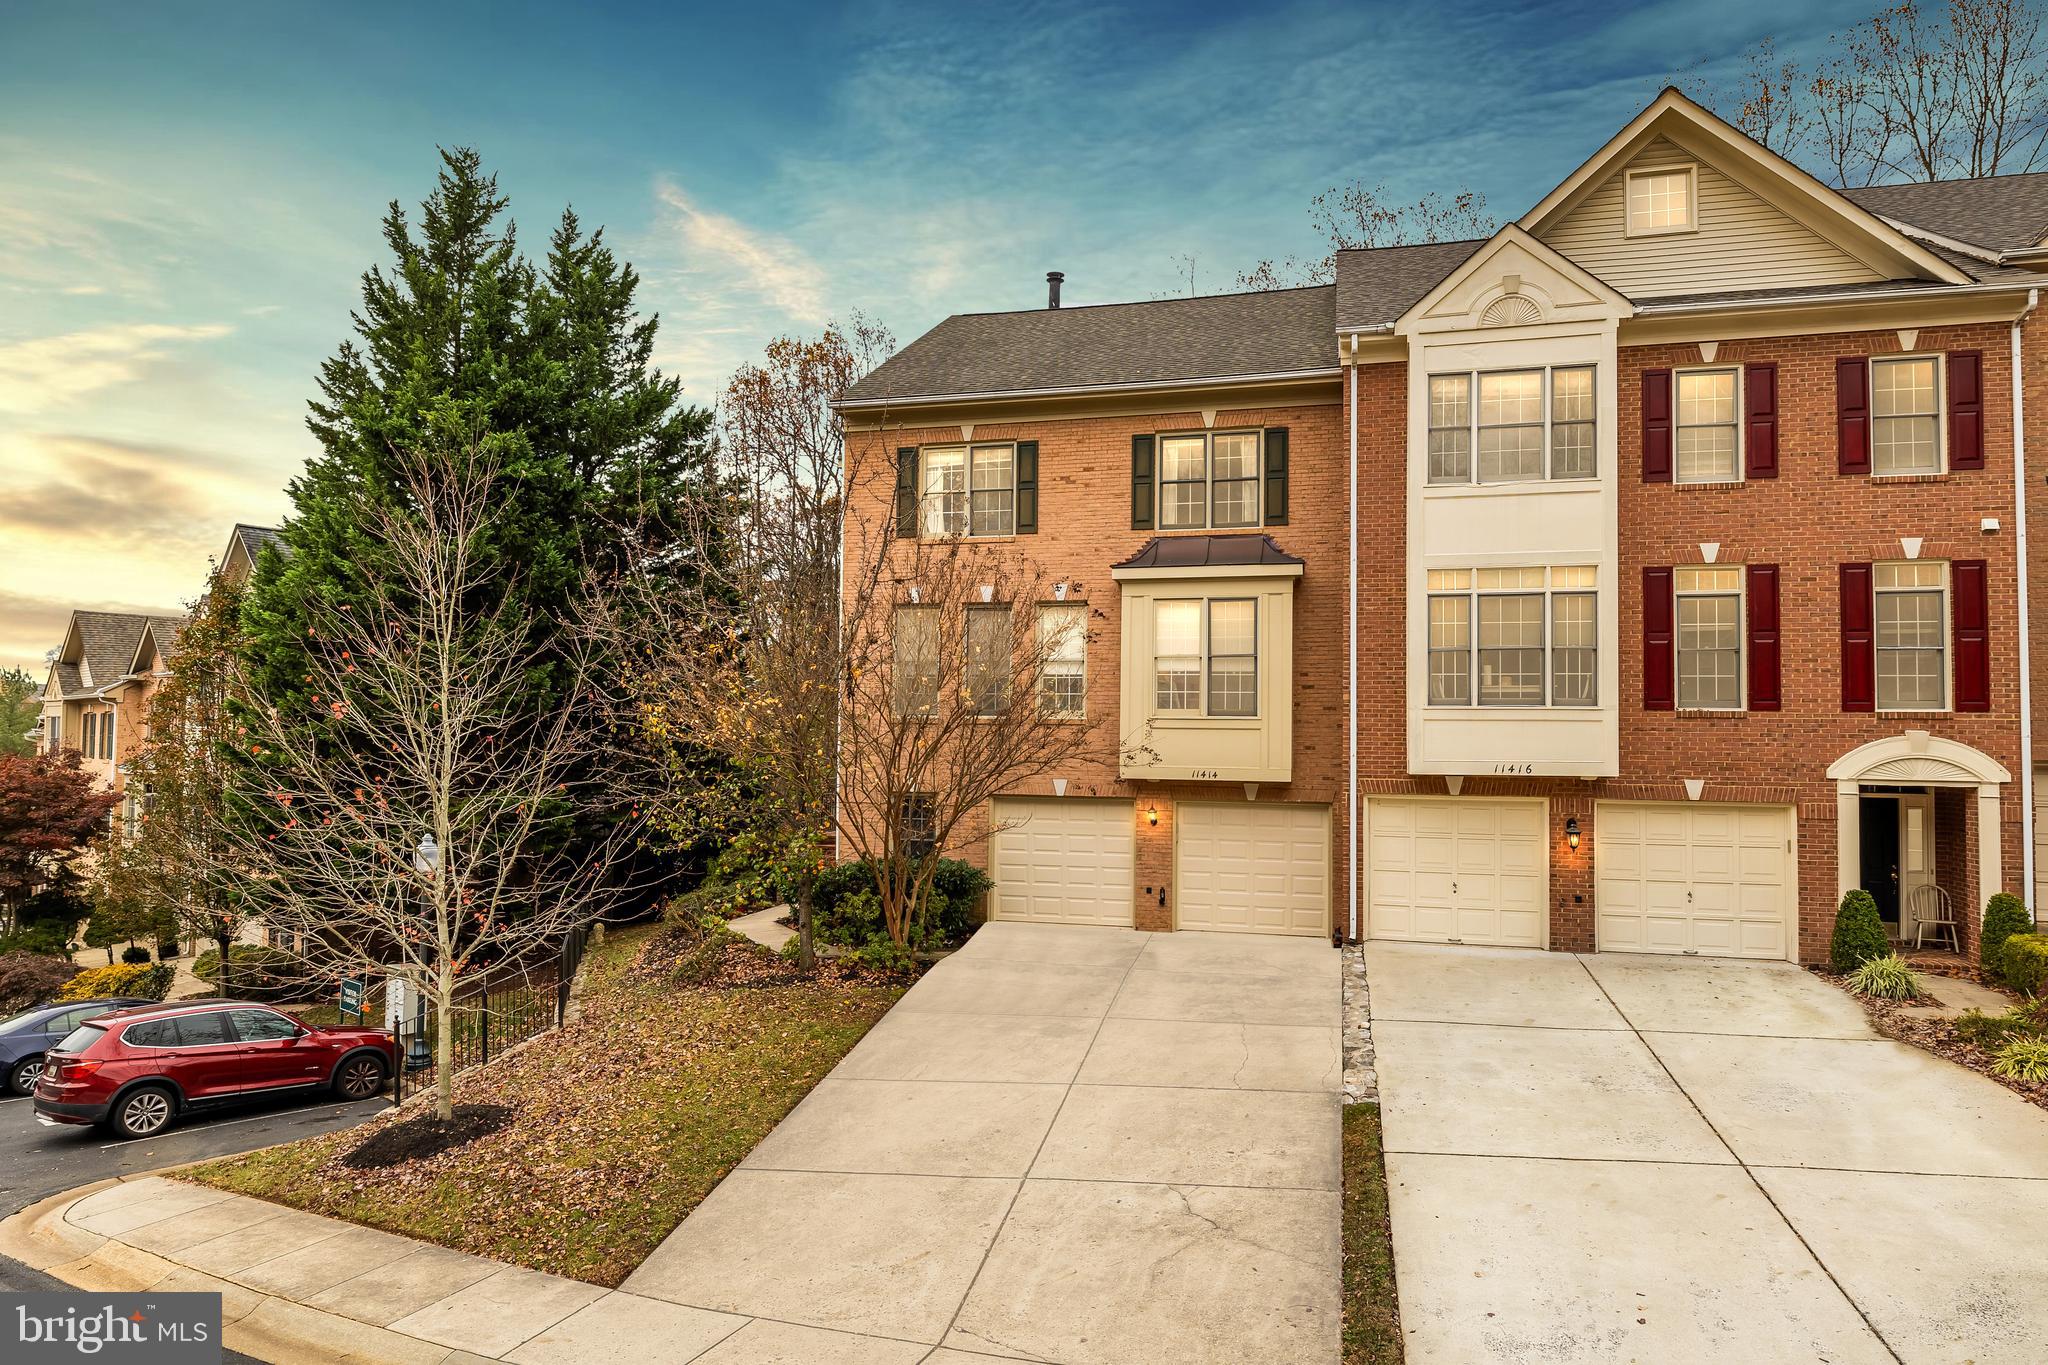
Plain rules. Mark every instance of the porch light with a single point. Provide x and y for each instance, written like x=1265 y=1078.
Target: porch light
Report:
x=1152 y=814
x=1571 y=832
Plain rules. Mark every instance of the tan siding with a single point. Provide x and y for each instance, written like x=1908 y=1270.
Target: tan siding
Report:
x=1743 y=242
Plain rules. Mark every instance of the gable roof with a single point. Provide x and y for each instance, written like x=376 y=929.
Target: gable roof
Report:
x=98 y=649
x=1998 y=212
x=252 y=539
x=1835 y=217
x=161 y=632
x=1376 y=285
x=1274 y=333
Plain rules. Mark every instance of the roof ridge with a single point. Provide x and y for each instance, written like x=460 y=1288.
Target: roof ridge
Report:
x=1144 y=303
x=1952 y=180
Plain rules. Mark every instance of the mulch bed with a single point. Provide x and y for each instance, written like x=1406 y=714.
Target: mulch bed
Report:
x=425 y=1136
x=1938 y=1036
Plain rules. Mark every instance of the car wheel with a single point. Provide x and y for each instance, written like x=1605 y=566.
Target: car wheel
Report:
x=22 y=1079
x=143 y=1113
x=359 y=1077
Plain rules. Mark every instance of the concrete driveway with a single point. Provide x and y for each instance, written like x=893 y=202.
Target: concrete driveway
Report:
x=1063 y=1144
x=1620 y=1158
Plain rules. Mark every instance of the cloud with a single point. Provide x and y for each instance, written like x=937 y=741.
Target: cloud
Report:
x=31 y=626
x=97 y=494
x=46 y=372
x=784 y=277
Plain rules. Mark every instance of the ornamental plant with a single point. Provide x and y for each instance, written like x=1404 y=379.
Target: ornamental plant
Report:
x=1859 y=933
x=2004 y=915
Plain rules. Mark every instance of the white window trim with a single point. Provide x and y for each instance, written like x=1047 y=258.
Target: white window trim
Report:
x=1205 y=659
x=1548 y=424
x=1546 y=593
x=1940 y=359
x=1741 y=473
x=1946 y=634
x=924 y=495
x=1691 y=171
x=1208 y=440
x=1080 y=611
x=1678 y=595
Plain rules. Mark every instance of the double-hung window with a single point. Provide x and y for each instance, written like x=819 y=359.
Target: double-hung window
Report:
x=916 y=664
x=1063 y=656
x=988 y=660
x=1661 y=201
x=1709 y=624
x=1513 y=637
x=1905 y=415
x=919 y=822
x=1206 y=657
x=1512 y=426
x=1709 y=434
x=969 y=490
x=1912 y=635
x=1209 y=481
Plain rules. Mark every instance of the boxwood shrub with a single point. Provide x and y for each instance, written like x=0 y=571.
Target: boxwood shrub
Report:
x=1859 y=933
x=2023 y=963
x=2004 y=915
x=847 y=910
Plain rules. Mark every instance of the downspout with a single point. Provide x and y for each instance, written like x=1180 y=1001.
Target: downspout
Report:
x=2019 y=499
x=1351 y=637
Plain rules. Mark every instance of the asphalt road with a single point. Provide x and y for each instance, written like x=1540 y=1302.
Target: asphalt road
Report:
x=37 y=1162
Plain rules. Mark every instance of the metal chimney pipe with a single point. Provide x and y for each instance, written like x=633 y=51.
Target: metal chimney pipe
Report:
x=1053 y=278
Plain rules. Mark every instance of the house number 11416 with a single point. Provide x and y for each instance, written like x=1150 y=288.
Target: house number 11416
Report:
x=1521 y=769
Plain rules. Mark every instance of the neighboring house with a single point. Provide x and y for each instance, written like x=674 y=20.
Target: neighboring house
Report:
x=245 y=546
x=1639 y=578
x=96 y=695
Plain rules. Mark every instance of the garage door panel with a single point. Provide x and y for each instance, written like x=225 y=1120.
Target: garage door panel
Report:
x=1457 y=871
x=1253 y=868
x=1063 y=861
x=1711 y=880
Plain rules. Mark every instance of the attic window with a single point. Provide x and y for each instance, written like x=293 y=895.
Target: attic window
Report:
x=1662 y=200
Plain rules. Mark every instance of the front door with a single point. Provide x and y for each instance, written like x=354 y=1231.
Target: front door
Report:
x=1879 y=871
x=1916 y=858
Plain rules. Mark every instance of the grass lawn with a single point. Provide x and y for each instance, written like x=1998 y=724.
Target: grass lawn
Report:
x=621 y=1123
x=1372 y=1314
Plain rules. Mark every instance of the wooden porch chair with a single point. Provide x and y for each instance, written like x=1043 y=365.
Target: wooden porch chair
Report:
x=1931 y=909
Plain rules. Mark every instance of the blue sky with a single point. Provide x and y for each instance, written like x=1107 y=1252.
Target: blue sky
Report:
x=189 y=192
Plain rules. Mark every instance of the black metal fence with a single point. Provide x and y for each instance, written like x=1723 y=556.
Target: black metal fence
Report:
x=499 y=1009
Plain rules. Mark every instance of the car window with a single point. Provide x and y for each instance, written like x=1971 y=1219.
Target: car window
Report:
x=21 y=1023
x=263 y=1026
x=203 y=1030
x=71 y=1019
x=148 y=1033
x=80 y=1038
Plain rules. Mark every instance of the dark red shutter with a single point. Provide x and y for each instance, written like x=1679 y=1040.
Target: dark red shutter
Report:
x=1859 y=651
x=1852 y=414
x=1656 y=426
x=1965 y=409
x=1659 y=693
x=1763 y=638
x=1971 y=616
x=1760 y=433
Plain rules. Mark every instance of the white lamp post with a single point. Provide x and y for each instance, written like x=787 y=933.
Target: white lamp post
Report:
x=426 y=860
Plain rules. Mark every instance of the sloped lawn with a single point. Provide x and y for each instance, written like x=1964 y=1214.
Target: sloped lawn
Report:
x=619 y=1124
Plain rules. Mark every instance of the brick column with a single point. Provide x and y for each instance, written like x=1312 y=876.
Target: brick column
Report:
x=1152 y=870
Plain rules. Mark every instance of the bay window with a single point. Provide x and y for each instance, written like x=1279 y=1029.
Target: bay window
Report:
x=1512 y=426
x=1206 y=657
x=1513 y=637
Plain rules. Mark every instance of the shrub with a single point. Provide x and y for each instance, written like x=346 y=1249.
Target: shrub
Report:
x=134 y=953
x=140 y=981
x=29 y=979
x=1993 y=1031
x=1885 y=978
x=1859 y=933
x=258 y=973
x=715 y=900
x=2022 y=963
x=2023 y=1059
x=847 y=910
x=167 y=950
x=2004 y=915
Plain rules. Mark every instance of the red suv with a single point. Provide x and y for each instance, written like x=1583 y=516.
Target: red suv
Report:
x=135 y=1070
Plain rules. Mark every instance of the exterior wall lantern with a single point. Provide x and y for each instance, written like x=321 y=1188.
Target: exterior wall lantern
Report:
x=1152 y=814
x=1571 y=832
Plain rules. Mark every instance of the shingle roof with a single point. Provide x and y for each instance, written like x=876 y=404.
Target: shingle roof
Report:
x=1207 y=552
x=254 y=538
x=166 y=630
x=107 y=641
x=1215 y=336
x=1377 y=285
x=1999 y=211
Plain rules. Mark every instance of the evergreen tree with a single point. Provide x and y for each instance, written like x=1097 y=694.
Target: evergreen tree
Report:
x=20 y=707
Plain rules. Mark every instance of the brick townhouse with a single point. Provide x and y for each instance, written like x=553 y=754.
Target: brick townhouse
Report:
x=1638 y=578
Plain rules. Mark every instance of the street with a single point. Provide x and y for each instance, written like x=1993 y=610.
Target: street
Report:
x=38 y=1161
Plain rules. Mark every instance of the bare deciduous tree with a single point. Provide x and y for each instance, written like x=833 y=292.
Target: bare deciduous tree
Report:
x=1357 y=215
x=425 y=734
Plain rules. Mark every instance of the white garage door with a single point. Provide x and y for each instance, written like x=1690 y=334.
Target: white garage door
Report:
x=1255 y=869
x=1711 y=880
x=1061 y=861
x=1456 y=871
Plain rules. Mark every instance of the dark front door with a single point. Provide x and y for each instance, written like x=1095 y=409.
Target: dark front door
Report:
x=1880 y=873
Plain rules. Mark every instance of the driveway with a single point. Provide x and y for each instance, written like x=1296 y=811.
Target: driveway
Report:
x=1621 y=1158
x=1063 y=1144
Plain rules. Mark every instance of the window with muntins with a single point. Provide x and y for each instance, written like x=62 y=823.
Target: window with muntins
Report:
x=1709 y=626
x=1709 y=433
x=1063 y=650
x=1209 y=481
x=1512 y=426
x=1206 y=657
x=969 y=490
x=1660 y=201
x=988 y=660
x=916 y=677
x=1905 y=415
x=1513 y=637
x=1911 y=635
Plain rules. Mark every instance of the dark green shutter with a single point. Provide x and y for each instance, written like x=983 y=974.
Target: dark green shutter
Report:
x=1276 y=476
x=1143 y=488
x=1027 y=488
x=906 y=492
